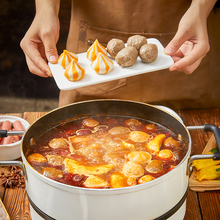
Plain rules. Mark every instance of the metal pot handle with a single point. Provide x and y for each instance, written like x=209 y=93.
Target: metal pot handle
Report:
x=215 y=156
x=15 y=163
x=5 y=133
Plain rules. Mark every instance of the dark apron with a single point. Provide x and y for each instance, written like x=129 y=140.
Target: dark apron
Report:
x=104 y=20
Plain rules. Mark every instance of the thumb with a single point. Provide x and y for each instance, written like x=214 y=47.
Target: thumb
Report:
x=174 y=44
x=51 y=50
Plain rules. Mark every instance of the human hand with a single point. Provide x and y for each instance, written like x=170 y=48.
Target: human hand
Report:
x=39 y=43
x=190 y=44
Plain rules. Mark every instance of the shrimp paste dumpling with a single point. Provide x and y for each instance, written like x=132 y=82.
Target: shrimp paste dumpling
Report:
x=66 y=57
x=102 y=64
x=94 y=49
x=74 y=71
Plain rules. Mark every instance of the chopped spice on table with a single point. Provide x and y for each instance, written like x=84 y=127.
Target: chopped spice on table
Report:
x=13 y=178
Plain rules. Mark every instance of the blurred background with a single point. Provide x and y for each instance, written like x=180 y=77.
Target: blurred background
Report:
x=20 y=90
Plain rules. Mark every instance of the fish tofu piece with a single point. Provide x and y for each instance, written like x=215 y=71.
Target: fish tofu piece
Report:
x=171 y=143
x=90 y=122
x=145 y=179
x=55 y=160
x=95 y=182
x=139 y=136
x=132 y=169
x=118 y=180
x=51 y=172
x=155 y=166
x=139 y=157
x=73 y=166
x=119 y=130
x=165 y=154
x=154 y=145
x=36 y=158
x=58 y=143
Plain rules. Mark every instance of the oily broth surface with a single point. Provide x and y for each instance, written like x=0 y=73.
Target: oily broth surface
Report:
x=102 y=138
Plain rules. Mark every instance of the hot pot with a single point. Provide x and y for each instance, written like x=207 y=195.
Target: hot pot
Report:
x=162 y=198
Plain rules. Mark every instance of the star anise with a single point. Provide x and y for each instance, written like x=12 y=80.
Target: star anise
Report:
x=13 y=168
x=7 y=182
x=13 y=178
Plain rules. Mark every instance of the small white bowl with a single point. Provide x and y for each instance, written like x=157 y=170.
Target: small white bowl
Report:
x=12 y=151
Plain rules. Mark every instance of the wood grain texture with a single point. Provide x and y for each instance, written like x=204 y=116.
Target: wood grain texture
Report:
x=192 y=207
x=17 y=204
x=2 y=189
x=210 y=205
x=31 y=117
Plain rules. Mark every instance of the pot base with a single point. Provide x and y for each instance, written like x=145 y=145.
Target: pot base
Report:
x=176 y=213
x=179 y=215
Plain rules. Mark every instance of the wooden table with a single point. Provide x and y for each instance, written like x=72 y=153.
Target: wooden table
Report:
x=200 y=205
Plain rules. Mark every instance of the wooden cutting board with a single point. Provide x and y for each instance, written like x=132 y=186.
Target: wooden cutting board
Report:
x=201 y=186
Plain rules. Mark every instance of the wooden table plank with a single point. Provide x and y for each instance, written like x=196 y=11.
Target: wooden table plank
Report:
x=210 y=205
x=17 y=204
x=192 y=207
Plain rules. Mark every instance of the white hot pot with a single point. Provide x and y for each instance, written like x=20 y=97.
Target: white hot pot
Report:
x=162 y=198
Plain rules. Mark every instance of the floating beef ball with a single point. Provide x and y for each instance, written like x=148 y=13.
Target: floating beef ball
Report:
x=137 y=41
x=114 y=46
x=127 y=56
x=148 y=53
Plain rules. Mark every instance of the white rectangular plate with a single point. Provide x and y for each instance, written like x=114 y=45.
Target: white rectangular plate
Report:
x=163 y=61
